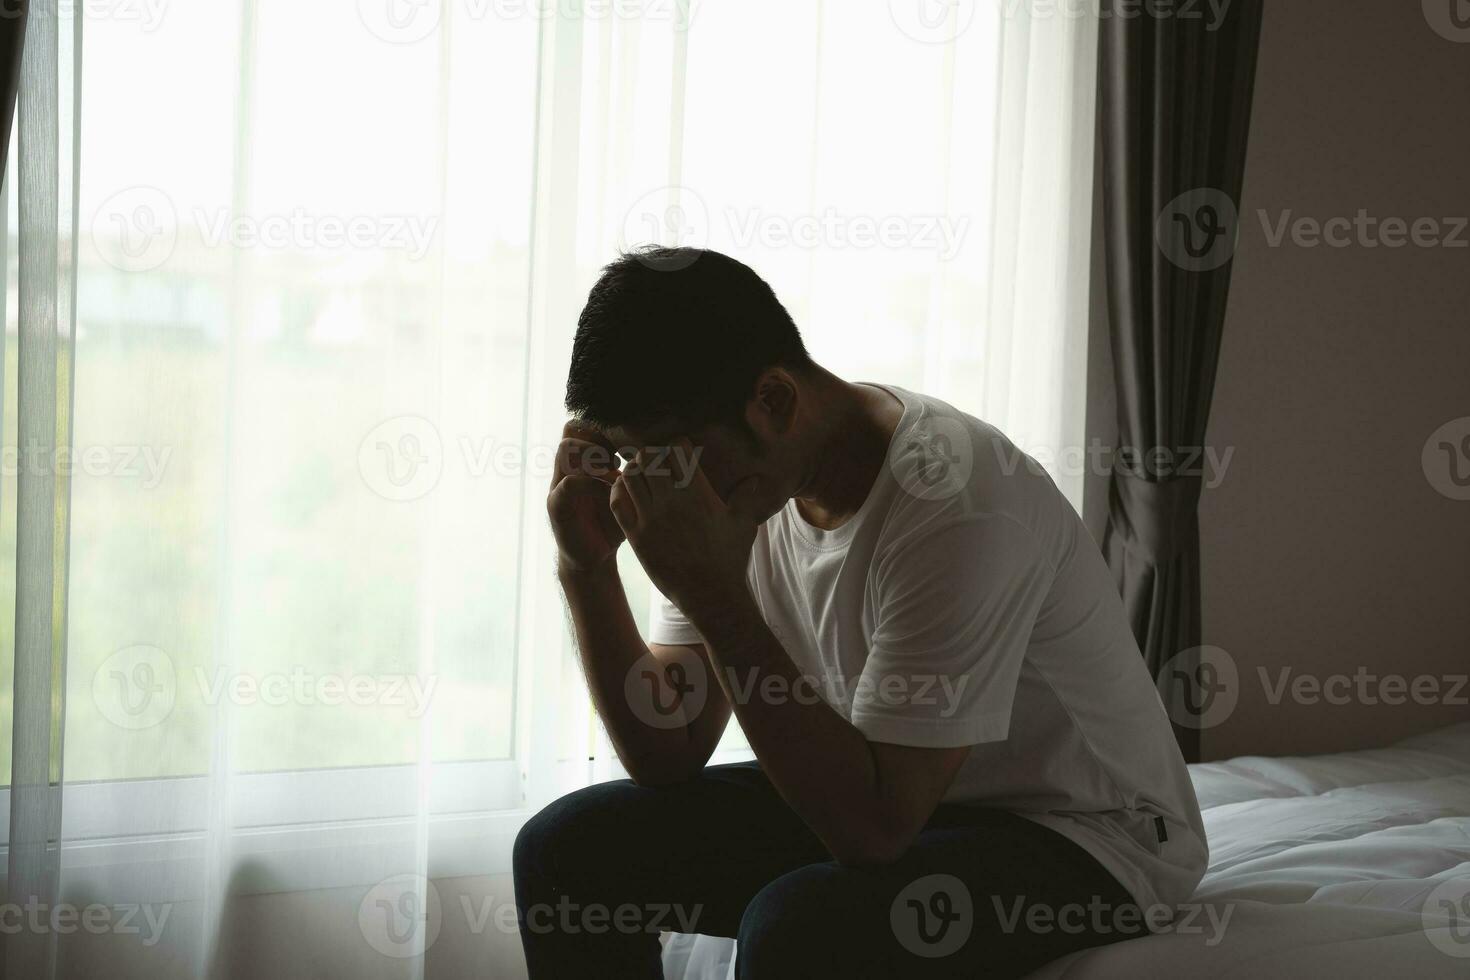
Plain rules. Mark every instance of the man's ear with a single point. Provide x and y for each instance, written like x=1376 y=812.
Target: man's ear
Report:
x=772 y=410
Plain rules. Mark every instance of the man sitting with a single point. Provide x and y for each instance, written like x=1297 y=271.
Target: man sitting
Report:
x=952 y=724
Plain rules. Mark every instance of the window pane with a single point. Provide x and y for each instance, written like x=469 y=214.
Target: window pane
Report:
x=313 y=352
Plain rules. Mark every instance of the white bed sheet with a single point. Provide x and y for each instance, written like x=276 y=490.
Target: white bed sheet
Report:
x=1325 y=865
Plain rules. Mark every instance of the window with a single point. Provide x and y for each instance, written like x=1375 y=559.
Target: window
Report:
x=328 y=270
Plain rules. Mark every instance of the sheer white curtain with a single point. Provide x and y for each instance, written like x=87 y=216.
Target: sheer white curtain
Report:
x=290 y=293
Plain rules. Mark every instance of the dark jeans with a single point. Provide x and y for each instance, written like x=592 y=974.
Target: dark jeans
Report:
x=981 y=893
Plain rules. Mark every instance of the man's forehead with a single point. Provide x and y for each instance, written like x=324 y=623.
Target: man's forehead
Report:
x=639 y=437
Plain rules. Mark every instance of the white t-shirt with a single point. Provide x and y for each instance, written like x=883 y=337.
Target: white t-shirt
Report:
x=966 y=604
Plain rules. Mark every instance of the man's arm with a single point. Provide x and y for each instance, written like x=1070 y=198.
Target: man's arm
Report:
x=690 y=721
x=865 y=800
x=610 y=647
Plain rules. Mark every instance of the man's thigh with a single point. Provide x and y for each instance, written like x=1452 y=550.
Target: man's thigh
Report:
x=983 y=893
x=694 y=853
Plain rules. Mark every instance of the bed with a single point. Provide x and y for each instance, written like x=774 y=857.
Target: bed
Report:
x=1348 y=865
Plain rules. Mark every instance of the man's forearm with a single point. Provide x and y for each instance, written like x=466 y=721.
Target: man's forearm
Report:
x=822 y=765
x=609 y=645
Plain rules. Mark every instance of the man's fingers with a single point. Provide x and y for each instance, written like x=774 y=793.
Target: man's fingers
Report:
x=688 y=474
x=562 y=501
x=624 y=506
x=608 y=520
x=672 y=467
x=575 y=429
x=583 y=505
x=584 y=449
x=653 y=467
x=637 y=484
x=583 y=458
x=684 y=463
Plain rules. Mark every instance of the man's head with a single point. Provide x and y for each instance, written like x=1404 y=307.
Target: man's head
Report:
x=687 y=342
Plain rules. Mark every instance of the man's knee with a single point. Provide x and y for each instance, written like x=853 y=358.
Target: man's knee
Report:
x=577 y=821
x=785 y=924
x=533 y=844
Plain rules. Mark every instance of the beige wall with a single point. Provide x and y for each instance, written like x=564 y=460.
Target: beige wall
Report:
x=1325 y=548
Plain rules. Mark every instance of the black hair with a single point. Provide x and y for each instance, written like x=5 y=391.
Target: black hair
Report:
x=676 y=335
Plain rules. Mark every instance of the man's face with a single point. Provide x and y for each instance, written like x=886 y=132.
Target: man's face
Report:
x=745 y=474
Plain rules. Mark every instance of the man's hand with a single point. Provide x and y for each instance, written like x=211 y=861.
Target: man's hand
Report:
x=693 y=547
x=587 y=535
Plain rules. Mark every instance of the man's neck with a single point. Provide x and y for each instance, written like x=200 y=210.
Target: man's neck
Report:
x=851 y=452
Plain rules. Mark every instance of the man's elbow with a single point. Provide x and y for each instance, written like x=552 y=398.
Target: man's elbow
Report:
x=870 y=847
x=659 y=771
x=656 y=778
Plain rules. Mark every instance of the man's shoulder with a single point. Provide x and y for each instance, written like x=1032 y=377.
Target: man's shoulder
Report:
x=948 y=465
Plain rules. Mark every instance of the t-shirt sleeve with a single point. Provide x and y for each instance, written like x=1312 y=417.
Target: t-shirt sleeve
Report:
x=954 y=610
x=668 y=626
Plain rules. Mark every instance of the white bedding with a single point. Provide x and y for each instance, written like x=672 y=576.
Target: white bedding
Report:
x=1325 y=866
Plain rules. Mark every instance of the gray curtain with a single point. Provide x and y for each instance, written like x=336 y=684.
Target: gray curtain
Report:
x=45 y=182
x=1175 y=86
x=12 y=42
